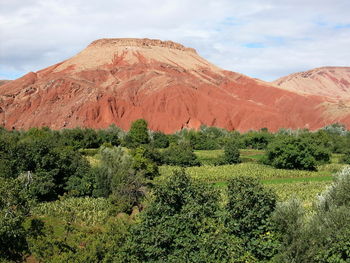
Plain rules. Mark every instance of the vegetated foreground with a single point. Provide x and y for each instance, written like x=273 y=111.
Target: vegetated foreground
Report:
x=83 y=195
x=171 y=86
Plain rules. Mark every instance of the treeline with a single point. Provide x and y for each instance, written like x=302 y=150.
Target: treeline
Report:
x=181 y=220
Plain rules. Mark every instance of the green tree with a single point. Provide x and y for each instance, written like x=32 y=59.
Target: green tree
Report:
x=116 y=179
x=180 y=154
x=138 y=134
x=183 y=224
x=249 y=209
x=296 y=153
x=160 y=140
x=143 y=164
x=14 y=207
x=231 y=154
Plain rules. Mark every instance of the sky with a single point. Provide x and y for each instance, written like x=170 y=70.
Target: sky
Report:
x=264 y=39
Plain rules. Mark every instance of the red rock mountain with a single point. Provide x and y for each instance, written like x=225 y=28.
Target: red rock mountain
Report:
x=332 y=82
x=169 y=85
x=4 y=81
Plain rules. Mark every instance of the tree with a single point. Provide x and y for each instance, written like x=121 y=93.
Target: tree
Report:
x=296 y=153
x=116 y=179
x=110 y=135
x=138 y=134
x=14 y=207
x=160 y=140
x=180 y=154
x=182 y=224
x=231 y=153
x=249 y=209
x=143 y=164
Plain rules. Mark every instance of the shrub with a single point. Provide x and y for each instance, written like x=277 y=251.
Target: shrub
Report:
x=116 y=179
x=182 y=224
x=249 y=209
x=138 y=134
x=160 y=140
x=180 y=154
x=296 y=153
x=14 y=207
x=231 y=154
x=327 y=229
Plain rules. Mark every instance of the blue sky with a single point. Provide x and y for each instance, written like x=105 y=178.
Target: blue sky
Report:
x=263 y=39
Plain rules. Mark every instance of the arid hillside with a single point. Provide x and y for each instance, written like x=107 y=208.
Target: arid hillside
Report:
x=333 y=82
x=169 y=85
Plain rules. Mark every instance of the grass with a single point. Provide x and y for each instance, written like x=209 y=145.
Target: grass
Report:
x=208 y=157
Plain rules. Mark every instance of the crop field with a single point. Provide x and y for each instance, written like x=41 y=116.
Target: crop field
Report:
x=208 y=157
x=304 y=185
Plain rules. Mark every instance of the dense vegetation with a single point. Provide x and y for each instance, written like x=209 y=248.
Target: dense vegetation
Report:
x=84 y=195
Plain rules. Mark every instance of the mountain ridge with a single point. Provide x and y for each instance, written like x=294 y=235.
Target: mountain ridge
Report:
x=169 y=85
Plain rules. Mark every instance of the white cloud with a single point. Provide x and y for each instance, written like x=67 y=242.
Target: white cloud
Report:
x=295 y=35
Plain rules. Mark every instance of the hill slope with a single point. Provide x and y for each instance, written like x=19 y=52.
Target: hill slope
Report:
x=169 y=85
x=333 y=82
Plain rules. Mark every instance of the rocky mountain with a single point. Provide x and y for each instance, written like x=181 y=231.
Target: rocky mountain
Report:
x=169 y=85
x=332 y=82
x=4 y=81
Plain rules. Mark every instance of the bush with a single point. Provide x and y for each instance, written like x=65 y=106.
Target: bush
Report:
x=231 y=154
x=181 y=155
x=249 y=209
x=327 y=229
x=142 y=163
x=160 y=140
x=296 y=153
x=14 y=207
x=182 y=224
x=346 y=157
x=117 y=179
x=138 y=134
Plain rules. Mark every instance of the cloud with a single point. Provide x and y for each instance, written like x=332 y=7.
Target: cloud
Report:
x=265 y=40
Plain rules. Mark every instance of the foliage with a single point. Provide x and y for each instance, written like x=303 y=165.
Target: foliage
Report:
x=249 y=209
x=14 y=206
x=110 y=135
x=160 y=140
x=257 y=140
x=180 y=154
x=76 y=230
x=182 y=224
x=138 y=134
x=116 y=179
x=231 y=154
x=327 y=228
x=346 y=157
x=296 y=153
x=143 y=164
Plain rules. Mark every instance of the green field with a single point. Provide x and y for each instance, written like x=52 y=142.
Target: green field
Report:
x=304 y=185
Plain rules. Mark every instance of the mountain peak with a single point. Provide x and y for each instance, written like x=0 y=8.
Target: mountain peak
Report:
x=139 y=42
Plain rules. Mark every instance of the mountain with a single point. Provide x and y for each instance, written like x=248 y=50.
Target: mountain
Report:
x=169 y=85
x=332 y=82
x=4 y=81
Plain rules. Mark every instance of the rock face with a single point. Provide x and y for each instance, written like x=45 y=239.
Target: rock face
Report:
x=332 y=82
x=169 y=85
